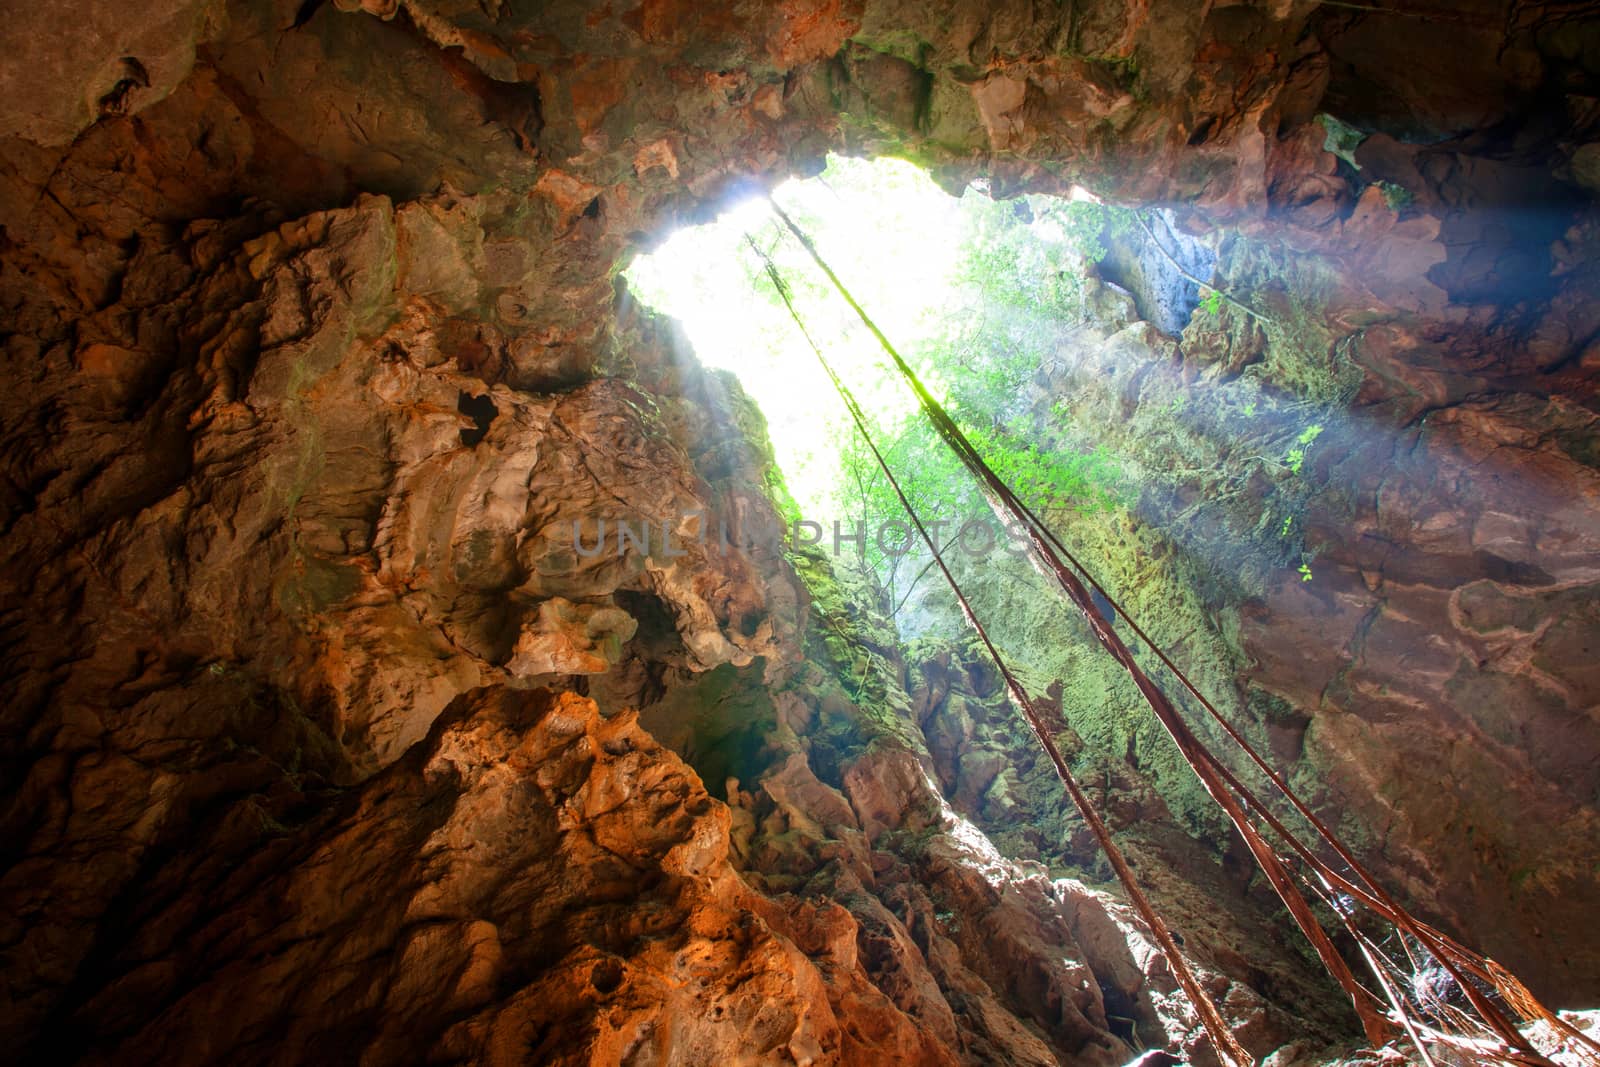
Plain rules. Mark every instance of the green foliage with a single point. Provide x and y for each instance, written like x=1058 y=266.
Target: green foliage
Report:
x=1081 y=481
x=1305 y=572
x=1048 y=478
x=1397 y=197
x=1295 y=458
x=1342 y=139
x=1027 y=254
x=1021 y=273
x=1211 y=303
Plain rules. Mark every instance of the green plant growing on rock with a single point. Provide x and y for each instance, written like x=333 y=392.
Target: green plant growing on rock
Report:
x=1396 y=197
x=1295 y=458
x=1342 y=139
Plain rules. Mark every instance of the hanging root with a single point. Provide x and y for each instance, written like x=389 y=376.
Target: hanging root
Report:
x=1227 y=1045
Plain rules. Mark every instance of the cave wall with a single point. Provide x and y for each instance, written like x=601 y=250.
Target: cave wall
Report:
x=279 y=592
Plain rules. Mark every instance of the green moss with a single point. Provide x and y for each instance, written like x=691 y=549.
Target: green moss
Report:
x=856 y=644
x=1397 y=197
x=1342 y=139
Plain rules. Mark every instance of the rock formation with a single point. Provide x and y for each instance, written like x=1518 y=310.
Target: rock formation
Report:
x=326 y=740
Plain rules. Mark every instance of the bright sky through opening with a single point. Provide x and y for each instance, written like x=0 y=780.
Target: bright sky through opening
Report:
x=895 y=239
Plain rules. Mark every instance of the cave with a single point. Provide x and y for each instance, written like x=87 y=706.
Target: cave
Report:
x=481 y=410
x=424 y=641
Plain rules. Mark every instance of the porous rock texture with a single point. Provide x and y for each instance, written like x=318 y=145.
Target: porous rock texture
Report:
x=324 y=740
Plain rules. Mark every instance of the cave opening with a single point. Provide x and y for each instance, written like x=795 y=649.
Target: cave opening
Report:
x=1058 y=330
x=987 y=295
x=481 y=410
x=1054 y=329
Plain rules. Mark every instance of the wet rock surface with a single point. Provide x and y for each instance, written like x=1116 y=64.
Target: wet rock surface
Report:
x=319 y=380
